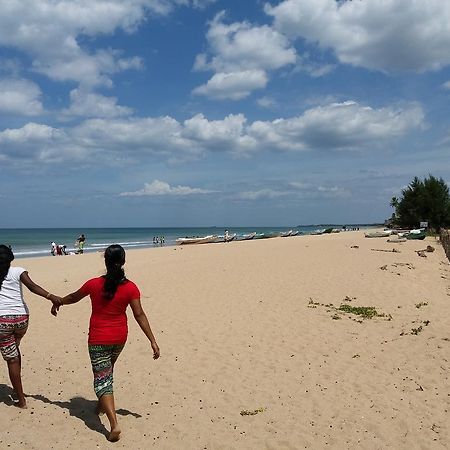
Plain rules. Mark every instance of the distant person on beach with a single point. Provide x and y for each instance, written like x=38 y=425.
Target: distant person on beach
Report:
x=14 y=316
x=53 y=248
x=80 y=243
x=110 y=296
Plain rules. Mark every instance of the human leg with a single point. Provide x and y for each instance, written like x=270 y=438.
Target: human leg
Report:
x=12 y=330
x=103 y=358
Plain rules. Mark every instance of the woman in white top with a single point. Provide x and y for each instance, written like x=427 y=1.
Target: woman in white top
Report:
x=14 y=316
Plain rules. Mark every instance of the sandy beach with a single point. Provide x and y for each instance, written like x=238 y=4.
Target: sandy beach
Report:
x=255 y=352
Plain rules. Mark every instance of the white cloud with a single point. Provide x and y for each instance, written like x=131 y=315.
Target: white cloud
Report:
x=160 y=188
x=345 y=125
x=49 y=31
x=241 y=54
x=18 y=96
x=388 y=35
x=234 y=85
x=446 y=85
x=338 y=126
x=293 y=190
x=34 y=142
x=88 y=104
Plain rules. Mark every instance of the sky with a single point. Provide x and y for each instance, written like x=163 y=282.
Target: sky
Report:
x=118 y=113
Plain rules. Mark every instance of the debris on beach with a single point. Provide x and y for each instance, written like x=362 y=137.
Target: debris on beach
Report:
x=394 y=250
x=246 y=412
x=354 y=246
x=429 y=249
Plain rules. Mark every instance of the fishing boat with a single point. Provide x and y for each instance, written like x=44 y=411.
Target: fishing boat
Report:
x=286 y=233
x=247 y=237
x=294 y=233
x=227 y=238
x=418 y=234
x=197 y=240
x=378 y=234
x=318 y=231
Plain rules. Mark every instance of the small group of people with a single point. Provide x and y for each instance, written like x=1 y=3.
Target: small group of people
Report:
x=58 y=249
x=158 y=240
x=110 y=296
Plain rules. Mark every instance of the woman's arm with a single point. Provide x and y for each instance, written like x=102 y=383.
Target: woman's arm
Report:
x=74 y=297
x=142 y=321
x=38 y=290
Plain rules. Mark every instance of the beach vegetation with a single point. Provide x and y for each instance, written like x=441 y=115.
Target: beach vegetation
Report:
x=420 y=304
x=367 y=312
x=423 y=200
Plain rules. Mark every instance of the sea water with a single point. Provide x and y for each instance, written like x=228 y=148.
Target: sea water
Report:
x=29 y=242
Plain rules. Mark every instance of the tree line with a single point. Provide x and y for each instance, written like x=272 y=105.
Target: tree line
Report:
x=426 y=200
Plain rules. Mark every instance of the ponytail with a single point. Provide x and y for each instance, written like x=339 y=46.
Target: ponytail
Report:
x=6 y=256
x=115 y=275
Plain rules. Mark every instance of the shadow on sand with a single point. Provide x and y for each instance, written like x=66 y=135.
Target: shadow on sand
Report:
x=84 y=410
x=6 y=394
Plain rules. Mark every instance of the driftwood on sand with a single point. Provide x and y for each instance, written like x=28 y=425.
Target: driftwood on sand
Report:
x=429 y=249
x=394 y=250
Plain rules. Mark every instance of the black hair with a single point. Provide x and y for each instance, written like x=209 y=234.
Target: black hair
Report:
x=115 y=275
x=6 y=256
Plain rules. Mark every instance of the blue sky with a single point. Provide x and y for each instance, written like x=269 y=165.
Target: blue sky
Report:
x=218 y=112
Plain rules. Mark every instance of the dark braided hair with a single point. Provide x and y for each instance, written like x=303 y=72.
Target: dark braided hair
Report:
x=115 y=275
x=6 y=256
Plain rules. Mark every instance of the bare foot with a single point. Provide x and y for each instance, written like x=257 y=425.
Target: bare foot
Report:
x=21 y=405
x=114 y=435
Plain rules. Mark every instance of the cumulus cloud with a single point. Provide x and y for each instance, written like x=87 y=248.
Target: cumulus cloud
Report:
x=346 y=125
x=19 y=96
x=233 y=85
x=50 y=32
x=241 y=54
x=160 y=188
x=88 y=104
x=389 y=35
x=337 y=126
x=33 y=142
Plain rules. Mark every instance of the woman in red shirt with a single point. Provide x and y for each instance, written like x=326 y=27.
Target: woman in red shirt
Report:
x=110 y=295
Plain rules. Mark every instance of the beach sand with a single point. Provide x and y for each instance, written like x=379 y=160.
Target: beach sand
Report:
x=249 y=327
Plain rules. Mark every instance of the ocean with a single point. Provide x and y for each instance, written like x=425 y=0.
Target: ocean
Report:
x=30 y=242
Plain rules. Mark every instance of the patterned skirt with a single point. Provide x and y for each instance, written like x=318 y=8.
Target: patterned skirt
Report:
x=12 y=330
x=103 y=358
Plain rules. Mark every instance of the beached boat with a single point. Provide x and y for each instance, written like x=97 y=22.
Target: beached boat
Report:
x=229 y=238
x=416 y=234
x=295 y=233
x=247 y=237
x=318 y=231
x=286 y=233
x=197 y=240
x=377 y=234
x=396 y=240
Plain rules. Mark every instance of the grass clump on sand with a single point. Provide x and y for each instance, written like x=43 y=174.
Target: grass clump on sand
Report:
x=367 y=312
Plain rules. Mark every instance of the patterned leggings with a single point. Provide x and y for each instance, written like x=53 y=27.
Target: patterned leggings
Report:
x=12 y=330
x=103 y=358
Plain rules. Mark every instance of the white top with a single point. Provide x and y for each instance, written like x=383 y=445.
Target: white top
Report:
x=11 y=297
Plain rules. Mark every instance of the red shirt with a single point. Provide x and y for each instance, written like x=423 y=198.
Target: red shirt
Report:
x=108 y=324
